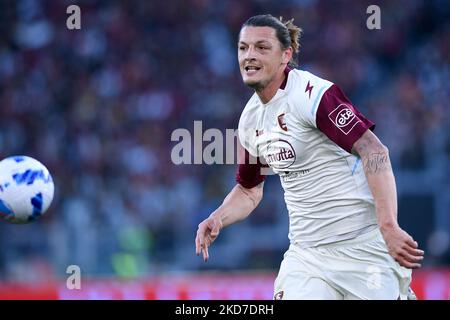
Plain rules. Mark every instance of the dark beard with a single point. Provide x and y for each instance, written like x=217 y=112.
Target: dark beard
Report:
x=258 y=86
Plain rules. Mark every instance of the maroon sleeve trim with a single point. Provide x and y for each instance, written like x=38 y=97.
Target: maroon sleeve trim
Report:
x=248 y=173
x=340 y=120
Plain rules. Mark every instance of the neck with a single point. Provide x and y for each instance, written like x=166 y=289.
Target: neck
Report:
x=269 y=91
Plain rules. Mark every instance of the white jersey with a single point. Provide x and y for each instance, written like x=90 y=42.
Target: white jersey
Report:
x=305 y=134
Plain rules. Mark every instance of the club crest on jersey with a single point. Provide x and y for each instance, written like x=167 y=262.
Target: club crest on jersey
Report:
x=282 y=122
x=280 y=154
x=344 y=118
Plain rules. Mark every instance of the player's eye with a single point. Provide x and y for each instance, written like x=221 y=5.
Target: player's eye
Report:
x=241 y=48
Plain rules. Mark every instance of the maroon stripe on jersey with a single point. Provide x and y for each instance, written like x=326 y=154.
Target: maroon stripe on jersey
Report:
x=248 y=172
x=339 y=119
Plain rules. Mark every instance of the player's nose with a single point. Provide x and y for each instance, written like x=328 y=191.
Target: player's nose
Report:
x=250 y=54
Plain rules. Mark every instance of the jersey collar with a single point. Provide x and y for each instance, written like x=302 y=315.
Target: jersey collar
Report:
x=281 y=90
x=286 y=72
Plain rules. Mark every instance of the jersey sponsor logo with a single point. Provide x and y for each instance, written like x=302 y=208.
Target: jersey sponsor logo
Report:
x=344 y=118
x=280 y=154
x=291 y=176
x=282 y=122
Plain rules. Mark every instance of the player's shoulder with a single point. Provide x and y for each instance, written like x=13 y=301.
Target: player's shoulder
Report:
x=303 y=81
x=306 y=90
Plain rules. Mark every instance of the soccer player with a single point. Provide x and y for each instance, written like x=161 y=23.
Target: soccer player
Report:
x=345 y=241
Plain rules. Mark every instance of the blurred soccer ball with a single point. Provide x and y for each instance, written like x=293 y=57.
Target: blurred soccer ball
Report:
x=26 y=189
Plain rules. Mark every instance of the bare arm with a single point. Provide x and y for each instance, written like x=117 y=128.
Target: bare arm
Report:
x=380 y=178
x=237 y=205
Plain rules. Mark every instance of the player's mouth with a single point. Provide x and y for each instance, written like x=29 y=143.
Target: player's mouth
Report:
x=251 y=70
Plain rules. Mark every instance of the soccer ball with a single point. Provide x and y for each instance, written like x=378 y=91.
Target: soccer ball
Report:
x=26 y=189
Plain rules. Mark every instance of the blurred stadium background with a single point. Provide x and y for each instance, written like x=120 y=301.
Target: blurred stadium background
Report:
x=98 y=106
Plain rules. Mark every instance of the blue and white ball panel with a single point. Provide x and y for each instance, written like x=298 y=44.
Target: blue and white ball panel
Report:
x=26 y=189
x=5 y=210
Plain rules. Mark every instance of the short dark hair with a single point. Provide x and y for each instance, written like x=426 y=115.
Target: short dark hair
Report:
x=287 y=33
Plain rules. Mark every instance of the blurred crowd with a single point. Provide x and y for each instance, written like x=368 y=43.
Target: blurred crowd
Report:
x=98 y=105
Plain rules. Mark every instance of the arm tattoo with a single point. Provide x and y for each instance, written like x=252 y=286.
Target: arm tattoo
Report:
x=377 y=162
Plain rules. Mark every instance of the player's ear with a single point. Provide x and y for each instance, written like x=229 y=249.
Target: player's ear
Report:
x=287 y=55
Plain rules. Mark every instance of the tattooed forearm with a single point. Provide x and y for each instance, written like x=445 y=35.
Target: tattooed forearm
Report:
x=374 y=155
x=377 y=162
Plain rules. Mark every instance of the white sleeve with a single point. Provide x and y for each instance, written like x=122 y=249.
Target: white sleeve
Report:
x=308 y=94
x=247 y=134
